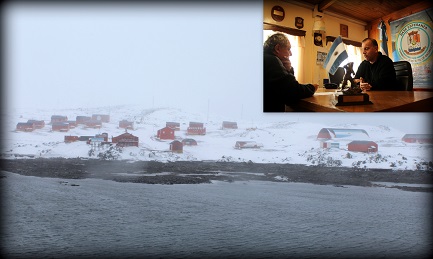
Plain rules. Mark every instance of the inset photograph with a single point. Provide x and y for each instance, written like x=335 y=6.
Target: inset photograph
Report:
x=326 y=57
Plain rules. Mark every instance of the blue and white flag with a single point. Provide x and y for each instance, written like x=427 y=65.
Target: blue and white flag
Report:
x=383 y=37
x=336 y=55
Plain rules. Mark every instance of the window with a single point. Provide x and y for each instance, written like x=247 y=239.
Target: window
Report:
x=353 y=49
x=355 y=56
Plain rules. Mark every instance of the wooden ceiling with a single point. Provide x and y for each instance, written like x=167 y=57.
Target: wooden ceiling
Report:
x=362 y=10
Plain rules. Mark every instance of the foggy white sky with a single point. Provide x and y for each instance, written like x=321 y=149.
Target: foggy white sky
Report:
x=194 y=56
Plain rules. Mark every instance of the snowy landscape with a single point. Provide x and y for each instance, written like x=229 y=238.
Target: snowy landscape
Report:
x=285 y=142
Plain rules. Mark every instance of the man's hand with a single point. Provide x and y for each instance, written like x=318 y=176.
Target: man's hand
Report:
x=360 y=80
x=365 y=86
x=362 y=85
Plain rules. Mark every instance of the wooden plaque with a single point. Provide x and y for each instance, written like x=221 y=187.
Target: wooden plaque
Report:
x=344 y=30
x=353 y=99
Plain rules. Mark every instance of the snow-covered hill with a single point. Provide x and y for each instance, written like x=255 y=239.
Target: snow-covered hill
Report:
x=283 y=141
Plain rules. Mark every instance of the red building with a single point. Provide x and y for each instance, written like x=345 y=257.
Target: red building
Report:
x=176 y=146
x=69 y=139
x=60 y=126
x=196 y=124
x=126 y=140
x=173 y=125
x=165 y=133
x=82 y=119
x=59 y=118
x=230 y=125
x=196 y=128
x=72 y=124
x=25 y=126
x=38 y=124
x=124 y=124
x=94 y=124
x=362 y=146
x=418 y=138
x=101 y=117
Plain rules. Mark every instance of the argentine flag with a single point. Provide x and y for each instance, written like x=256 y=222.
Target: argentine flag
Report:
x=337 y=54
x=383 y=37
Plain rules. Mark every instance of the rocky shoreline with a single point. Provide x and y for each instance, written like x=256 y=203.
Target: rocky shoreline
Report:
x=194 y=172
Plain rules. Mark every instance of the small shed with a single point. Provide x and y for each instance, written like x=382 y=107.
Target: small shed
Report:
x=230 y=125
x=126 y=140
x=418 y=138
x=59 y=118
x=124 y=124
x=176 y=146
x=82 y=119
x=173 y=125
x=101 y=117
x=189 y=142
x=69 y=139
x=39 y=124
x=60 y=126
x=363 y=146
x=25 y=126
x=165 y=133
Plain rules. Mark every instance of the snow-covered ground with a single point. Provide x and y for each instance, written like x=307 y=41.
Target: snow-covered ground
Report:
x=283 y=141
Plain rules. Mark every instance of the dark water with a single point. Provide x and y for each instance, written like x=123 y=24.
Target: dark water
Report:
x=45 y=217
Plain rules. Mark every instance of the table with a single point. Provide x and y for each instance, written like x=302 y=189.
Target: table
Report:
x=383 y=101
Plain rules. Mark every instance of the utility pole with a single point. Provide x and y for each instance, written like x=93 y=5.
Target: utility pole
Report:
x=207 y=119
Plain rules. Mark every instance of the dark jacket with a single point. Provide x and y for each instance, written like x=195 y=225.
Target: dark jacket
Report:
x=281 y=87
x=380 y=75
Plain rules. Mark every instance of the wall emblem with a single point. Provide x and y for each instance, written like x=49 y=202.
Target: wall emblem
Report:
x=299 y=22
x=414 y=42
x=277 y=13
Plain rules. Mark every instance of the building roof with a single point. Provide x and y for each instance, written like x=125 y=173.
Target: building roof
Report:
x=58 y=116
x=126 y=134
x=363 y=142
x=168 y=128
x=188 y=139
x=418 y=136
x=342 y=133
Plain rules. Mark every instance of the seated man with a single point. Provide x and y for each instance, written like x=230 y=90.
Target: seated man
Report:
x=280 y=86
x=377 y=71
